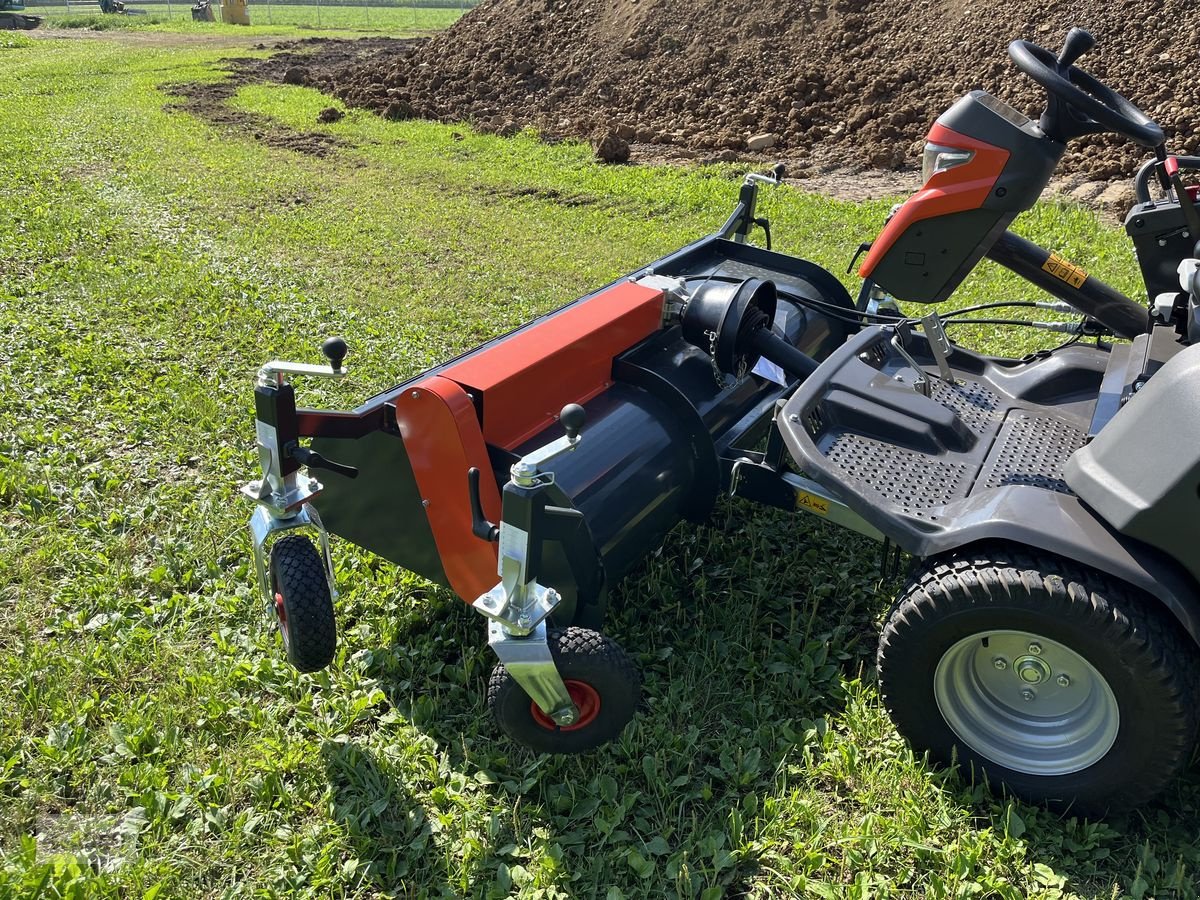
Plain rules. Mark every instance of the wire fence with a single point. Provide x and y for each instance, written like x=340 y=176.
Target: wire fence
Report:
x=382 y=15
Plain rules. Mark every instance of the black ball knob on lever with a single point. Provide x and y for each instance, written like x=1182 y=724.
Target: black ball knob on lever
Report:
x=572 y=418
x=335 y=350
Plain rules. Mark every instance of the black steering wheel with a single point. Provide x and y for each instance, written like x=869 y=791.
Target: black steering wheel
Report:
x=1090 y=106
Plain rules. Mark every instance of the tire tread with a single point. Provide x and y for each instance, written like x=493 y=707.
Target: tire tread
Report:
x=1148 y=637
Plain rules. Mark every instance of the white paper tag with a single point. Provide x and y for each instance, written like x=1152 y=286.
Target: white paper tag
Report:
x=768 y=370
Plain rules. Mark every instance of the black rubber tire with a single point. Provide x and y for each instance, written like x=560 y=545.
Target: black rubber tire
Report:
x=301 y=588
x=581 y=655
x=1149 y=663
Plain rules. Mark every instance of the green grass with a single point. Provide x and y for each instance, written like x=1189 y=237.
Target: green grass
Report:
x=335 y=15
x=155 y=743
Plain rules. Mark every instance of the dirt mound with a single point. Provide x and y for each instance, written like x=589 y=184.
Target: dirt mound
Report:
x=859 y=78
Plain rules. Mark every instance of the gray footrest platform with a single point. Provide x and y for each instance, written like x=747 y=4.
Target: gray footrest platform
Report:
x=921 y=468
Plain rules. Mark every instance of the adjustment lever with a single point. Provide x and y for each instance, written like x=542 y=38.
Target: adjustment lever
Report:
x=480 y=526
x=315 y=460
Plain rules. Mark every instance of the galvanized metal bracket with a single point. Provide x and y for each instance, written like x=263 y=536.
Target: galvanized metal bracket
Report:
x=529 y=661
x=266 y=523
x=921 y=382
x=939 y=344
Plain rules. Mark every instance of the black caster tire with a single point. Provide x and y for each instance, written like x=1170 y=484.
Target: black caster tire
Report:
x=600 y=678
x=303 y=605
x=1062 y=684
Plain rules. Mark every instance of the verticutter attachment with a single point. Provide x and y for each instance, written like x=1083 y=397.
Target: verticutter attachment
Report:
x=732 y=322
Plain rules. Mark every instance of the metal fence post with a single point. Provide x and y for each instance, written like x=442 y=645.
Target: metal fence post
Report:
x=318 y=13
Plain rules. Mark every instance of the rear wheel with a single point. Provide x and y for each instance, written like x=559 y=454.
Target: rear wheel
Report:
x=1045 y=676
x=303 y=603
x=602 y=682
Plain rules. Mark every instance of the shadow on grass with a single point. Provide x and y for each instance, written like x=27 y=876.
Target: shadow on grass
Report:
x=385 y=823
x=744 y=633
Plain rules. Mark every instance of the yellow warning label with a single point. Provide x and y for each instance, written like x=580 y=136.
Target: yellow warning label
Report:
x=812 y=503
x=1065 y=270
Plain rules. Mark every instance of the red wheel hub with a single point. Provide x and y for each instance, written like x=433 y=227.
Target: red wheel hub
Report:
x=586 y=699
x=281 y=612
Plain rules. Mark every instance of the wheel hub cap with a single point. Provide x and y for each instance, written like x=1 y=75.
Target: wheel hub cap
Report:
x=1033 y=670
x=586 y=699
x=985 y=684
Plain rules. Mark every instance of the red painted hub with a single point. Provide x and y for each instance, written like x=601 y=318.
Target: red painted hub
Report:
x=281 y=612
x=586 y=699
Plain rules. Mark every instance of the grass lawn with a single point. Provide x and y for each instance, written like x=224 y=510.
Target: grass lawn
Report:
x=175 y=17
x=154 y=743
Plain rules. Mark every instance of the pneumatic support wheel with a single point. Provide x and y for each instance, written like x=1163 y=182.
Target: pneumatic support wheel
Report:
x=601 y=679
x=1050 y=678
x=303 y=604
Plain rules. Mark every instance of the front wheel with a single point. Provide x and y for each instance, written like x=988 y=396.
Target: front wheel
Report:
x=303 y=603
x=1049 y=678
x=602 y=682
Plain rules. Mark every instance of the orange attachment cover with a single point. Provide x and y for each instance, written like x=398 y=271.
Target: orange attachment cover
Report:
x=956 y=190
x=442 y=438
x=524 y=380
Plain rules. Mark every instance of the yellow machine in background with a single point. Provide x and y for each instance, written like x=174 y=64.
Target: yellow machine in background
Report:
x=235 y=12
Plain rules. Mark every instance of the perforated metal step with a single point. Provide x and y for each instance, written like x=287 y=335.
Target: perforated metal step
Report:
x=915 y=465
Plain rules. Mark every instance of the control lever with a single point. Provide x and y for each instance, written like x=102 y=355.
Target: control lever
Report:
x=335 y=350
x=315 y=460
x=572 y=418
x=480 y=526
x=899 y=338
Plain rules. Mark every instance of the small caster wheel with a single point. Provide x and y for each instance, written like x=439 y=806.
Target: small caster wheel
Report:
x=601 y=679
x=1052 y=679
x=303 y=605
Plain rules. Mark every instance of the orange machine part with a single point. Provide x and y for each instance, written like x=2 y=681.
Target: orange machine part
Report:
x=956 y=190
x=442 y=438
x=523 y=381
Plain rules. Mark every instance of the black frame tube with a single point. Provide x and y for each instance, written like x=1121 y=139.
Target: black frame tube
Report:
x=1093 y=298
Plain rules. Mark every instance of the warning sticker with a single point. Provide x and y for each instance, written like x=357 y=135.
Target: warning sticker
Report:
x=812 y=503
x=1065 y=270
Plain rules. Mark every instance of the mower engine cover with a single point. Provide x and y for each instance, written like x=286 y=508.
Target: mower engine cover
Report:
x=984 y=164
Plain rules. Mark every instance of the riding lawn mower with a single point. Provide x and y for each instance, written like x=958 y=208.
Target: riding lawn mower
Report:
x=1047 y=638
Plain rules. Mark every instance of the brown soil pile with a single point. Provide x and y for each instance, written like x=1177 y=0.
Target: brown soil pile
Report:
x=859 y=79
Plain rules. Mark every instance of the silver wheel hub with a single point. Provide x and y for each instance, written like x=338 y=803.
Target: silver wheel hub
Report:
x=1026 y=702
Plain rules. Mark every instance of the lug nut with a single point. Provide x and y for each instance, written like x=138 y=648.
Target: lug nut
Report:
x=1000 y=663
x=1064 y=681
x=1027 y=694
x=1035 y=648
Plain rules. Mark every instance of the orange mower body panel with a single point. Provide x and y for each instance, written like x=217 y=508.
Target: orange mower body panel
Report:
x=504 y=395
